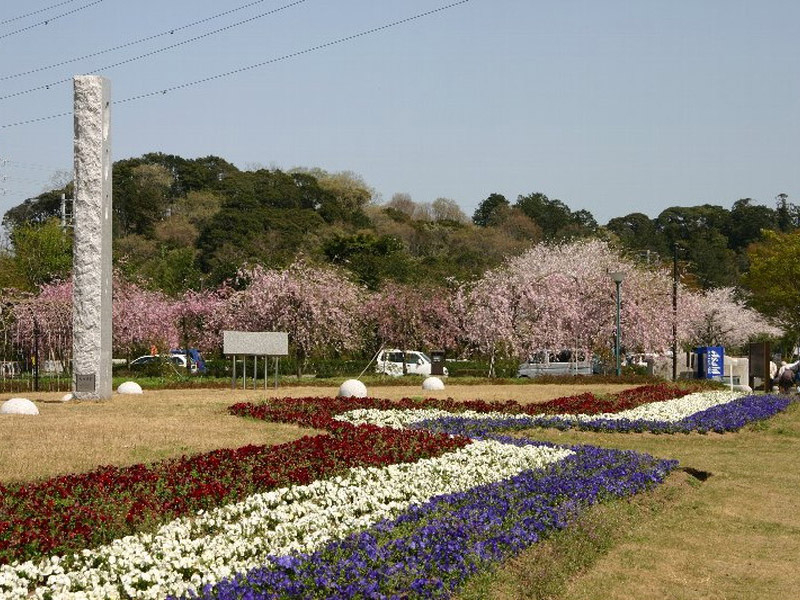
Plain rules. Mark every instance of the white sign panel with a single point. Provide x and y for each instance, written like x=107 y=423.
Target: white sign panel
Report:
x=258 y=343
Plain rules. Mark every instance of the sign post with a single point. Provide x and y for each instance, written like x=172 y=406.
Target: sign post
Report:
x=255 y=343
x=759 y=365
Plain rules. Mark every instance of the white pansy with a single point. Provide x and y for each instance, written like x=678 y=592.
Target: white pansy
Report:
x=190 y=552
x=400 y=419
x=668 y=411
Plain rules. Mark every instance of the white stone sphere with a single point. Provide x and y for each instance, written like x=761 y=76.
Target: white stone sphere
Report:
x=129 y=387
x=352 y=388
x=18 y=406
x=432 y=383
x=67 y=397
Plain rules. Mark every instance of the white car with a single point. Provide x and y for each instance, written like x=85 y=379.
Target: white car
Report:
x=178 y=360
x=390 y=362
x=549 y=363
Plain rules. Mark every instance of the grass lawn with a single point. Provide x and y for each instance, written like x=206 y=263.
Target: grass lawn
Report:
x=727 y=528
x=735 y=534
x=78 y=436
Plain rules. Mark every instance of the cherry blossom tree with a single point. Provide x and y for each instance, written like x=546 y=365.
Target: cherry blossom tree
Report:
x=560 y=296
x=202 y=316
x=142 y=318
x=318 y=307
x=724 y=320
x=409 y=317
x=45 y=320
x=486 y=310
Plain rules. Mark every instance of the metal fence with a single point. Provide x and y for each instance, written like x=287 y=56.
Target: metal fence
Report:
x=28 y=370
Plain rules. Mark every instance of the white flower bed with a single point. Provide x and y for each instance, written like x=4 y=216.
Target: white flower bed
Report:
x=667 y=411
x=400 y=419
x=189 y=552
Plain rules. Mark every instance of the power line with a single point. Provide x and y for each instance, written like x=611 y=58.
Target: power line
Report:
x=37 y=120
x=47 y=86
x=36 y=12
x=336 y=42
x=27 y=165
x=171 y=31
x=47 y=21
x=316 y=48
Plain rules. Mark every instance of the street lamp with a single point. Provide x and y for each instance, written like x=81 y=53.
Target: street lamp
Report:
x=617 y=277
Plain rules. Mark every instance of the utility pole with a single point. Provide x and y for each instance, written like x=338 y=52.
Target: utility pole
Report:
x=674 y=311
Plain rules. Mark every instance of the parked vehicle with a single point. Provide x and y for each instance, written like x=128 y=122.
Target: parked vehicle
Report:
x=565 y=362
x=390 y=362
x=195 y=359
x=10 y=368
x=175 y=357
x=150 y=360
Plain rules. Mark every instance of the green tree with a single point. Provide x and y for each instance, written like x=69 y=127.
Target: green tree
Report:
x=167 y=261
x=42 y=253
x=773 y=276
x=702 y=233
x=141 y=196
x=747 y=222
x=555 y=218
x=787 y=214
x=239 y=235
x=638 y=232
x=484 y=214
x=38 y=210
x=348 y=194
x=372 y=259
x=188 y=175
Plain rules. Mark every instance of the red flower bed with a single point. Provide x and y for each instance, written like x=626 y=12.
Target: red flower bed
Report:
x=78 y=511
x=589 y=404
x=319 y=412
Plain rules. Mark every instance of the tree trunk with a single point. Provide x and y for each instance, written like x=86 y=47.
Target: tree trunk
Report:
x=300 y=361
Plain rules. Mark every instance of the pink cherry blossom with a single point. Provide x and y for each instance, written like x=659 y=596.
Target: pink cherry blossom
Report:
x=318 y=307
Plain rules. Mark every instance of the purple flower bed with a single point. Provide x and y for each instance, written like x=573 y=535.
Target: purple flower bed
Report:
x=731 y=416
x=432 y=548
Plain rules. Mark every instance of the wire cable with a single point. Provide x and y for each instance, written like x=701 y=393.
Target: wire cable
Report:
x=336 y=42
x=47 y=86
x=149 y=38
x=36 y=12
x=299 y=53
x=48 y=21
x=26 y=165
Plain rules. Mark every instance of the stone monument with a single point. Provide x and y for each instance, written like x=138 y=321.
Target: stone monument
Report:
x=91 y=339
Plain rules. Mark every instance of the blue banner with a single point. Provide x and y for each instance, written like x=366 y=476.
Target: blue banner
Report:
x=715 y=362
x=710 y=362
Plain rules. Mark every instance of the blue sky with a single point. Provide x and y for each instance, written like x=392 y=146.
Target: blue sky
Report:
x=613 y=106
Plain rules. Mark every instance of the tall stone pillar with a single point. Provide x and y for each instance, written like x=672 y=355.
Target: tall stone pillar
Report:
x=91 y=338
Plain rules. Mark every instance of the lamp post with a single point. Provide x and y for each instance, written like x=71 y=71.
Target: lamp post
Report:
x=617 y=277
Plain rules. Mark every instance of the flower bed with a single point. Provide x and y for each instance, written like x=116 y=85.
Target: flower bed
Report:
x=431 y=548
x=85 y=510
x=189 y=552
x=320 y=412
x=700 y=411
x=362 y=511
